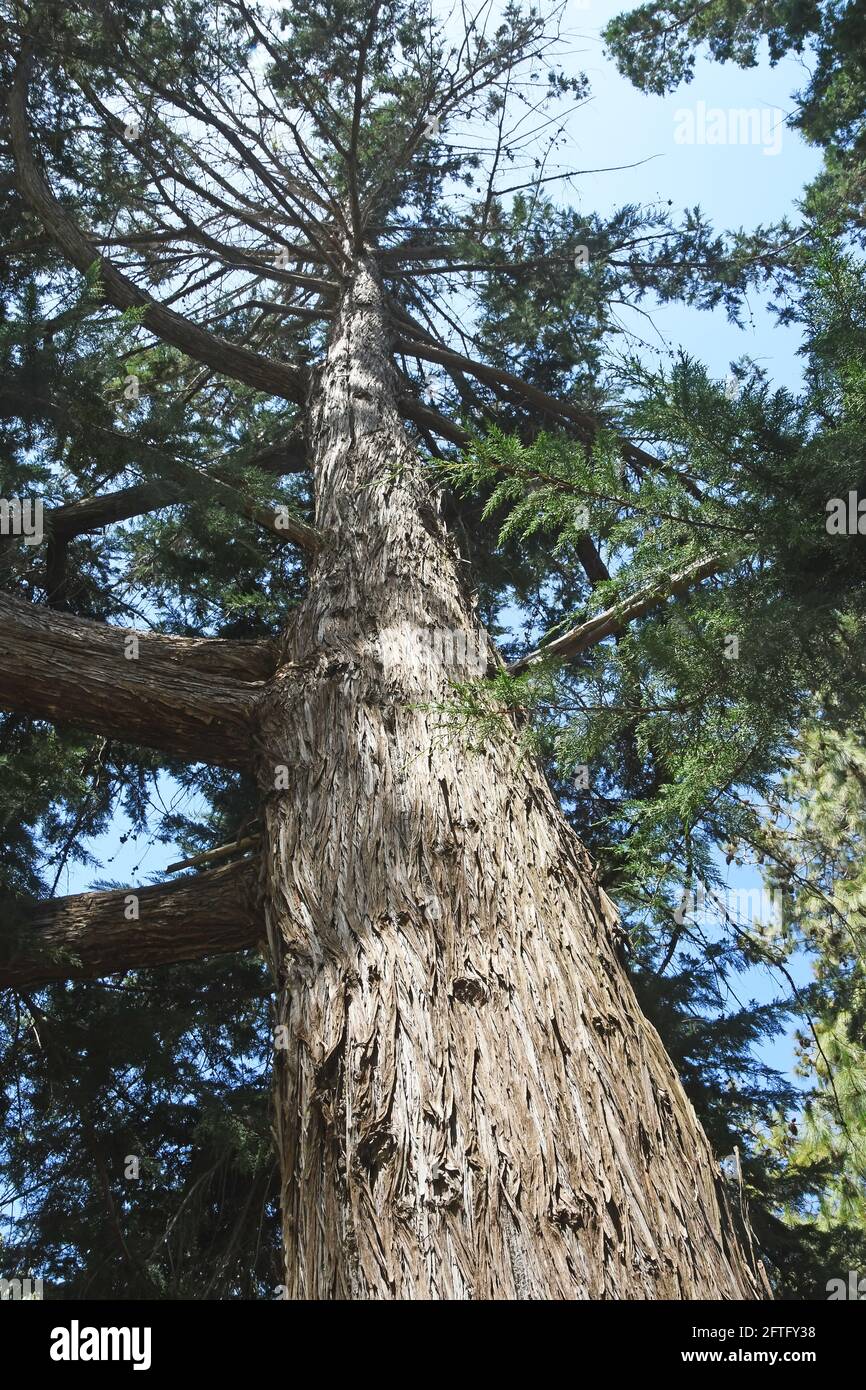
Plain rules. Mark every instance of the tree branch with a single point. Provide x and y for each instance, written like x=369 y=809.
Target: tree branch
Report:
x=194 y=482
x=176 y=480
x=190 y=697
x=495 y=376
x=586 y=425
x=92 y=513
x=240 y=363
x=613 y=620
x=429 y=418
x=91 y=934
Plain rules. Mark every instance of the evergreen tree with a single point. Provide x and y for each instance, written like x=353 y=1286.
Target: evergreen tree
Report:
x=264 y=303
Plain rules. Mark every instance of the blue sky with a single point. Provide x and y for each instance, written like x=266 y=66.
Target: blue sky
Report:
x=736 y=184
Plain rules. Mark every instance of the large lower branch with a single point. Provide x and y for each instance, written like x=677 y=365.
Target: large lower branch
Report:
x=190 y=697
x=93 y=934
x=92 y=513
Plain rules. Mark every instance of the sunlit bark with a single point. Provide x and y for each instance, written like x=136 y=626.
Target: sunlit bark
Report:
x=470 y=1103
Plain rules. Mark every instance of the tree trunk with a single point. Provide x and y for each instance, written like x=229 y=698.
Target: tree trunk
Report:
x=469 y=1102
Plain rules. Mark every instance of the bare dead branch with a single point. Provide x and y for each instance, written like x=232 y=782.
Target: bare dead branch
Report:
x=613 y=620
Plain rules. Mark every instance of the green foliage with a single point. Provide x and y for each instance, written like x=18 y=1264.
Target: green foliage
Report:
x=136 y=1123
x=683 y=745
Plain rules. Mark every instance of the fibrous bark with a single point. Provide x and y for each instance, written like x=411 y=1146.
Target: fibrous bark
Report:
x=469 y=1101
x=93 y=934
x=192 y=697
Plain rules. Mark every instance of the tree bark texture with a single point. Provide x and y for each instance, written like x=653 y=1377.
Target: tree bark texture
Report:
x=192 y=697
x=469 y=1101
x=92 y=934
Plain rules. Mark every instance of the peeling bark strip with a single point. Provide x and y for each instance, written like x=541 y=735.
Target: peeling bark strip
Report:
x=91 y=934
x=469 y=1101
x=184 y=696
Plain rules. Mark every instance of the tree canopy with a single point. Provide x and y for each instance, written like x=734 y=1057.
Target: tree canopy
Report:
x=681 y=633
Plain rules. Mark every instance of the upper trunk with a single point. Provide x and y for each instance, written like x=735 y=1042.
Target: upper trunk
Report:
x=469 y=1102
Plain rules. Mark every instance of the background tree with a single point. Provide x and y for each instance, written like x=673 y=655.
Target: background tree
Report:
x=656 y=45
